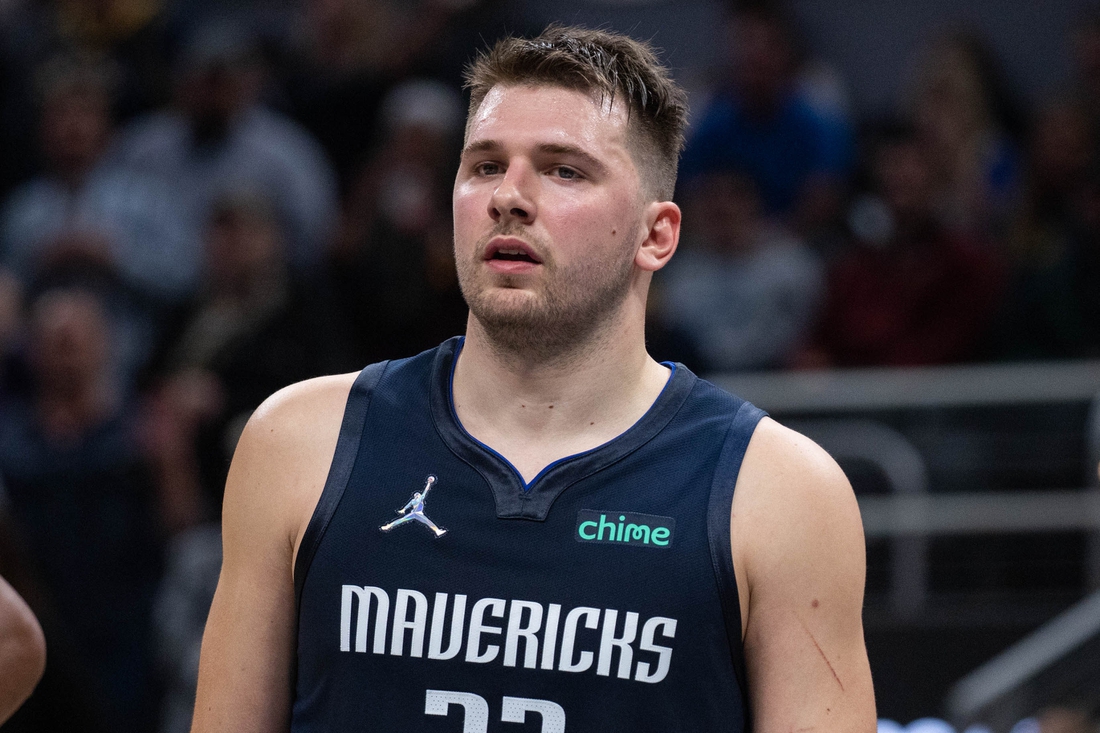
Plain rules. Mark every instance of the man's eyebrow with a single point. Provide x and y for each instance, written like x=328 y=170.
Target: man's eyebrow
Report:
x=481 y=146
x=589 y=160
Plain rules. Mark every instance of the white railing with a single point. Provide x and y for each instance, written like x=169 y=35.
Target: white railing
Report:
x=912 y=515
x=847 y=390
x=1006 y=512
x=1061 y=657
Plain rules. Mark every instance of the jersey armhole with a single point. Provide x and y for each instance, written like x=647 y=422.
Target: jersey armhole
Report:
x=740 y=431
x=343 y=461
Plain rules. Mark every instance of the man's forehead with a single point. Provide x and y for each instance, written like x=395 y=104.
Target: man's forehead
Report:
x=553 y=105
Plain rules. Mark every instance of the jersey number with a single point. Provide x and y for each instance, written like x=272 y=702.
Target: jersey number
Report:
x=476 y=710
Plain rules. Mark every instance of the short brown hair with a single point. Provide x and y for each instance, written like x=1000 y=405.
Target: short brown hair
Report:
x=610 y=65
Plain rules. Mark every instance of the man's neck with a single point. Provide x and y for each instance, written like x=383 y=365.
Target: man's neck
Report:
x=536 y=411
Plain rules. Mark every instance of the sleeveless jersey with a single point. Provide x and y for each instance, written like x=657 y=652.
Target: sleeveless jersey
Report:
x=439 y=592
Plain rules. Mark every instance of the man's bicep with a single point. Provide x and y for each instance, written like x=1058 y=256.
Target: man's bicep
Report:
x=275 y=480
x=244 y=668
x=807 y=663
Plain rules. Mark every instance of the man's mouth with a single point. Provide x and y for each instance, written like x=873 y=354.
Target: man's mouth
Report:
x=513 y=255
x=511 y=249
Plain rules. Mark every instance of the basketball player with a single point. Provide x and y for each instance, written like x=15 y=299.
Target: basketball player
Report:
x=22 y=651
x=628 y=548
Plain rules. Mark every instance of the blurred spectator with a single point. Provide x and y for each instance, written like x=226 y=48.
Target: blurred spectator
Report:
x=352 y=52
x=130 y=222
x=746 y=292
x=911 y=292
x=218 y=137
x=254 y=328
x=394 y=270
x=18 y=55
x=345 y=69
x=72 y=466
x=760 y=124
x=129 y=33
x=1052 y=309
x=11 y=326
x=962 y=114
x=269 y=18
x=1062 y=155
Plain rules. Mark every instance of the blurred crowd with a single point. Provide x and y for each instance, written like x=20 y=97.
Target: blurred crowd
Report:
x=205 y=201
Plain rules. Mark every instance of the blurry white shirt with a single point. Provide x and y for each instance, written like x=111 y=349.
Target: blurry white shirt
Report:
x=749 y=310
x=138 y=216
x=263 y=153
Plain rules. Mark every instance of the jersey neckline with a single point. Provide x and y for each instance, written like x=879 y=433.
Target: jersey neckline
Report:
x=516 y=498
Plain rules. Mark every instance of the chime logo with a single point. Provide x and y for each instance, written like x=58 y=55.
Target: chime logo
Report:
x=624 y=528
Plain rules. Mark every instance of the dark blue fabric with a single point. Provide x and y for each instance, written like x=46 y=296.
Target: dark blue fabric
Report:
x=524 y=552
x=443 y=408
x=718 y=528
x=347 y=449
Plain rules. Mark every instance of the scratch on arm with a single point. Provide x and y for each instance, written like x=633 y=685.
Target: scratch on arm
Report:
x=822 y=653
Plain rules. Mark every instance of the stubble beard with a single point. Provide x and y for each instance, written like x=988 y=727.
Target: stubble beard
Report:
x=569 y=313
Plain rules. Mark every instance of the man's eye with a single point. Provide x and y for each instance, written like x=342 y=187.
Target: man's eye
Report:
x=566 y=173
x=487 y=169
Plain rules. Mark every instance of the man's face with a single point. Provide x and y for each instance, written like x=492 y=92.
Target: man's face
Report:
x=548 y=215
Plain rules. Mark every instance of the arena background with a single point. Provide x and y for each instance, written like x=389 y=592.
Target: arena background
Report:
x=891 y=242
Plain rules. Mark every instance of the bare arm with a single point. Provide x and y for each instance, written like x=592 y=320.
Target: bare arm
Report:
x=22 y=651
x=276 y=478
x=800 y=558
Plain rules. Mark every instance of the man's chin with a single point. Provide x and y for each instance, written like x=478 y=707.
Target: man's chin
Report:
x=506 y=302
x=503 y=310
x=495 y=317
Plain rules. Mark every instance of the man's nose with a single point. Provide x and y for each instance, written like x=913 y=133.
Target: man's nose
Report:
x=514 y=199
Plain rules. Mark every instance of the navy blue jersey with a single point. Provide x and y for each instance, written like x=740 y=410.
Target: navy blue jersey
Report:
x=437 y=591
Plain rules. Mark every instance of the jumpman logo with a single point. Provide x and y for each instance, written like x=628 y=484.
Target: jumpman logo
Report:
x=414 y=511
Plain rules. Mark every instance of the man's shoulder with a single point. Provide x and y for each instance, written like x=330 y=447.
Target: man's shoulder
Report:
x=287 y=447
x=706 y=415
x=775 y=453
x=297 y=411
x=305 y=400
x=291 y=423
x=776 y=442
x=789 y=482
x=282 y=459
x=716 y=398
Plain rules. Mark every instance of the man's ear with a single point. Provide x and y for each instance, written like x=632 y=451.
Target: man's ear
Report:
x=662 y=235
